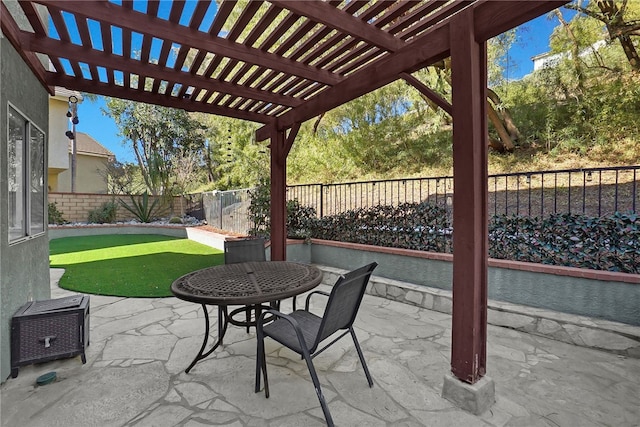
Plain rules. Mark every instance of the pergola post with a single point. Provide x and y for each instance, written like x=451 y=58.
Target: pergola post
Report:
x=281 y=144
x=278 y=197
x=467 y=387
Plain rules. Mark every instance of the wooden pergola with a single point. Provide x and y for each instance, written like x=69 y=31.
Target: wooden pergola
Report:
x=281 y=63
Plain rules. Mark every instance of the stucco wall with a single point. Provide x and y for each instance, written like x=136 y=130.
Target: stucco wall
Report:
x=604 y=295
x=24 y=266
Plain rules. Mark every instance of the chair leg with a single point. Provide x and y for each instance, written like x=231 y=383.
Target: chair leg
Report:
x=261 y=363
x=361 y=356
x=259 y=352
x=248 y=315
x=316 y=384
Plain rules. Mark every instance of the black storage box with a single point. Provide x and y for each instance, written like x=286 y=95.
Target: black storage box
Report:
x=48 y=330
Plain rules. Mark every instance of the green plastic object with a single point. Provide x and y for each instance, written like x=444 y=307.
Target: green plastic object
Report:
x=47 y=378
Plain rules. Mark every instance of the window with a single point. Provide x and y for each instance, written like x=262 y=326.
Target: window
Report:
x=26 y=177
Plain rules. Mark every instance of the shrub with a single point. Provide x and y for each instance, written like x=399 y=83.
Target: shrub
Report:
x=104 y=214
x=609 y=243
x=55 y=216
x=175 y=220
x=421 y=226
x=141 y=208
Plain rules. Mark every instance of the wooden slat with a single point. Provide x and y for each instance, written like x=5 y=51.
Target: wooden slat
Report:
x=186 y=36
x=152 y=8
x=260 y=28
x=343 y=22
x=146 y=49
x=245 y=17
x=222 y=14
x=105 y=31
x=56 y=16
x=364 y=81
x=83 y=29
x=126 y=43
x=198 y=14
x=288 y=22
x=433 y=19
x=176 y=11
x=34 y=19
x=420 y=13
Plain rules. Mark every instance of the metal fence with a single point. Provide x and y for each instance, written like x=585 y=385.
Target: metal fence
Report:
x=593 y=192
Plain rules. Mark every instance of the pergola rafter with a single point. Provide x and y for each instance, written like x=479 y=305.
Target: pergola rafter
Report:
x=281 y=63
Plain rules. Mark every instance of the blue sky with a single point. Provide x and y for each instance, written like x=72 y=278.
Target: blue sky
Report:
x=533 y=39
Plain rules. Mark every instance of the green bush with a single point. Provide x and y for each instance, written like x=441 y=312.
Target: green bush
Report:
x=300 y=219
x=105 y=214
x=609 y=243
x=55 y=216
x=175 y=220
x=141 y=208
x=421 y=226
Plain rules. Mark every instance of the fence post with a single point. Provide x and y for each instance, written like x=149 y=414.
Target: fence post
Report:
x=321 y=200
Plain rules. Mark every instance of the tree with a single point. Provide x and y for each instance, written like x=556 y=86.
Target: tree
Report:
x=622 y=20
x=159 y=136
x=121 y=178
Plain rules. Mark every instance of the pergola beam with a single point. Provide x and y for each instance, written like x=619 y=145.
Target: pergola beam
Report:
x=12 y=32
x=97 y=58
x=151 y=26
x=426 y=91
x=122 y=92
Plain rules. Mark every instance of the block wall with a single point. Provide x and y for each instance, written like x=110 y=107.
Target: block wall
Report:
x=75 y=207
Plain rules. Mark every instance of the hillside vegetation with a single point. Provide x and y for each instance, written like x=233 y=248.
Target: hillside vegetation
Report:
x=582 y=110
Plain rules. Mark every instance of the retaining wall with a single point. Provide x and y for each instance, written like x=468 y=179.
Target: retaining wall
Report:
x=75 y=207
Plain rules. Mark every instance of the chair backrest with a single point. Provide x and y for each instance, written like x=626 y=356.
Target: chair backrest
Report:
x=344 y=302
x=244 y=250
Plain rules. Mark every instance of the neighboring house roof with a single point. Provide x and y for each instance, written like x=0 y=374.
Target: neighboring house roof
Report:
x=89 y=146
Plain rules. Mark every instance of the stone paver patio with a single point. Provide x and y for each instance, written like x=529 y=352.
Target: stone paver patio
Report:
x=140 y=347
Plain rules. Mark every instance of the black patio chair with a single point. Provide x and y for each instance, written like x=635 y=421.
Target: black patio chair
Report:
x=303 y=331
x=244 y=250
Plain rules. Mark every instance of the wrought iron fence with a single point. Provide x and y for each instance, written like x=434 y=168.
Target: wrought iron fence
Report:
x=592 y=191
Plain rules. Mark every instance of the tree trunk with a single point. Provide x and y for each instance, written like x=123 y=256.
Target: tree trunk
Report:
x=507 y=143
x=505 y=116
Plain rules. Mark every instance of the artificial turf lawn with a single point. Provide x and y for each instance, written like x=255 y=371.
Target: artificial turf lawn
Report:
x=128 y=265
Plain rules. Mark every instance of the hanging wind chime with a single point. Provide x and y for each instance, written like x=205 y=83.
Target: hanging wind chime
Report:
x=72 y=114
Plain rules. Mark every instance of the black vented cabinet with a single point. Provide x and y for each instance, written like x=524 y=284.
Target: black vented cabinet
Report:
x=48 y=330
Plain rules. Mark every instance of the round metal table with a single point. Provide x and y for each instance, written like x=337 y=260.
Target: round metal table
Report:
x=249 y=284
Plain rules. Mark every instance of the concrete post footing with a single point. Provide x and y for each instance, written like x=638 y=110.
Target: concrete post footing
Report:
x=475 y=398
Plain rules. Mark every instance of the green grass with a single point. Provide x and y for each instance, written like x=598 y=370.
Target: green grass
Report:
x=128 y=265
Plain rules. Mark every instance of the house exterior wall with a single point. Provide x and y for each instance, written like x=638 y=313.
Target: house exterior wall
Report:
x=58 y=141
x=89 y=175
x=24 y=266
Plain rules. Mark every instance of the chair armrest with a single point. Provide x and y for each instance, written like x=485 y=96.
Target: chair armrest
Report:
x=306 y=304
x=293 y=322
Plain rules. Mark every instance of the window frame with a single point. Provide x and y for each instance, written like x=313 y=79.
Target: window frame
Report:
x=25 y=186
